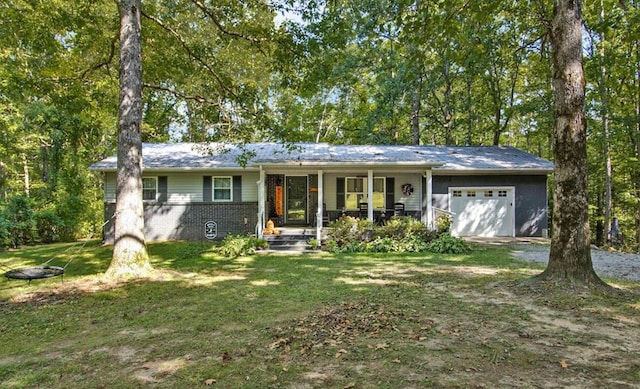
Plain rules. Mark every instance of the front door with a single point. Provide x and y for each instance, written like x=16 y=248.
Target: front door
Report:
x=296 y=200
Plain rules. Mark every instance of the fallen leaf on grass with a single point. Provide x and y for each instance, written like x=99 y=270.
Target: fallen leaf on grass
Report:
x=350 y=385
x=564 y=364
x=278 y=343
x=396 y=361
x=381 y=346
x=209 y=381
x=340 y=353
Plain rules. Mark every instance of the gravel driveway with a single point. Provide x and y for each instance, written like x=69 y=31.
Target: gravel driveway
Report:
x=605 y=263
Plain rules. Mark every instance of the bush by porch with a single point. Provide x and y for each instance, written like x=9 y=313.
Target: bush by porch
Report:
x=400 y=234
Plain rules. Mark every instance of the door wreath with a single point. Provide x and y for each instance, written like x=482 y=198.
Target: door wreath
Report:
x=407 y=189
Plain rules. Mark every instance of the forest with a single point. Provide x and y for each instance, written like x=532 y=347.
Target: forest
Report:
x=458 y=72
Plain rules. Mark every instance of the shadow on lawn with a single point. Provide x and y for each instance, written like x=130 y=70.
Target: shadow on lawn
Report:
x=359 y=308
x=197 y=263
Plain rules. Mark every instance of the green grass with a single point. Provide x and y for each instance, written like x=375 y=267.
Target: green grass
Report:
x=314 y=320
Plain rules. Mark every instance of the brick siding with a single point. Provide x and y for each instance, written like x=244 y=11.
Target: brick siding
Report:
x=187 y=221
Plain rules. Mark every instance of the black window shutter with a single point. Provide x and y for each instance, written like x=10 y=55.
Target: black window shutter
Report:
x=162 y=189
x=207 y=195
x=390 y=195
x=237 y=189
x=340 y=193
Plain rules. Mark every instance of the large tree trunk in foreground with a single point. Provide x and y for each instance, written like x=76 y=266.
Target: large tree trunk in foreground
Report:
x=130 y=258
x=570 y=256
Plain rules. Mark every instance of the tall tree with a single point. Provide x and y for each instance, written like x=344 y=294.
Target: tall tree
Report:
x=570 y=255
x=130 y=257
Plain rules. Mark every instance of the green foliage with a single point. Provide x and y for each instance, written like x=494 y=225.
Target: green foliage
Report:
x=443 y=223
x=399 y=235
x=447 y=244
x=400 y=227
x=4 y=232
x=314 y=243
x=49 y=226
x=349 y=229
x=233 y=246
x=21 y=226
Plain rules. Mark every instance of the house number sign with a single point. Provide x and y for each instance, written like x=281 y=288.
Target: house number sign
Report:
x=210 y=230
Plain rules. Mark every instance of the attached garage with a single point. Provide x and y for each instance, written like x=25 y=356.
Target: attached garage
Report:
x=482 y=211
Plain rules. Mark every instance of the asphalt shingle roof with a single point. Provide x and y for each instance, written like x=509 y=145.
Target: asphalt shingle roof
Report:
x=194 y=156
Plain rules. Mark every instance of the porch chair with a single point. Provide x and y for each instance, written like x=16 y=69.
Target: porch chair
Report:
x=364 y=210
x=398 y=209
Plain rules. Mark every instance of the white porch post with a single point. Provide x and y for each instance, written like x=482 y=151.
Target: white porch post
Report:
x=261 y=204
x=320 y=206
x=429 y=199
x=370 y=195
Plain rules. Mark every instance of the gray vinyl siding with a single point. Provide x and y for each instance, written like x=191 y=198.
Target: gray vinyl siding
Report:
x=184 y=188
x=530 y=197
x=329 y=184
x=250 y=187
x=110 y=187
x=411 y=203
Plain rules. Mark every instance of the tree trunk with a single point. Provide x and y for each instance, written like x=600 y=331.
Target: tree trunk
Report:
x=570 y=256
x=637 y=135
x=415 y=115
x=25 y=170
x=130 y=258
x=446 y=110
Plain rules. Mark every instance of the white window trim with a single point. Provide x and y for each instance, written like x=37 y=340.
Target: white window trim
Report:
x=155 y=178
x=365 y=192
x=213 y=190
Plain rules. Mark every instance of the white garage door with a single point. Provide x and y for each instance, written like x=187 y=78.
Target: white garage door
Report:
x=482 y=211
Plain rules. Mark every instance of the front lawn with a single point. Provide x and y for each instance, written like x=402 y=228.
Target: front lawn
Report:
x=310 y=321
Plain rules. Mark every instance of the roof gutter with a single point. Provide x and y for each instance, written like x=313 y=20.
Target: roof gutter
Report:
x=294 y=163
x=513 y=171
x=180 y=169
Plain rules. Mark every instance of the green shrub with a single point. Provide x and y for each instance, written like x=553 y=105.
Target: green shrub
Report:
x=413 y=244
x=349 y=229
x=402 y=227
x=233 y=246
x=443 y=223
x=331 y=246
x=49 y=226
x=382 y=245
x=20 y=222
x=313 y=243
x=400 y=234
x=447 y=244
x=4 y=232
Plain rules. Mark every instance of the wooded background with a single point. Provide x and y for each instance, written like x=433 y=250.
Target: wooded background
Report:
x=458 y=72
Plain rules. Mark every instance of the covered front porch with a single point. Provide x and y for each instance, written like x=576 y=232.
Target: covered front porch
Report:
x=292 y=196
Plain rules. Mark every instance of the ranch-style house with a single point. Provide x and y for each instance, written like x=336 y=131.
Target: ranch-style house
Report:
x=206 y=191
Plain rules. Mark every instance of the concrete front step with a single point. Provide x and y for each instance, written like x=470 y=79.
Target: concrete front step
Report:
x=291 y=239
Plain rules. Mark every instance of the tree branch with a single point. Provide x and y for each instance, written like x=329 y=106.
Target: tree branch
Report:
x=191 y=54
x=105 y=63
x=215 y=19
x=196 y=98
